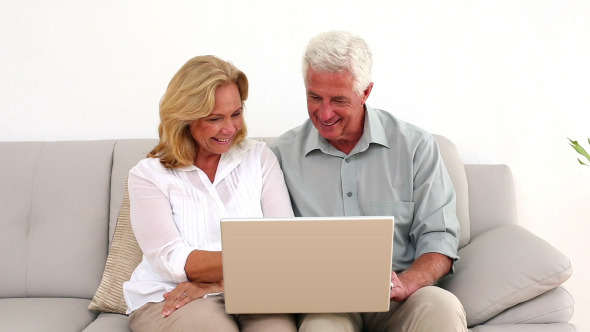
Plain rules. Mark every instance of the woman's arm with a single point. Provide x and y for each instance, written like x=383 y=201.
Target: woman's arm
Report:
x=275 y=198
x=204 y=266
x=160 y=240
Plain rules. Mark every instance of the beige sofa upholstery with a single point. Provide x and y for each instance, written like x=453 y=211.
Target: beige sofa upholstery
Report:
x=59 y=206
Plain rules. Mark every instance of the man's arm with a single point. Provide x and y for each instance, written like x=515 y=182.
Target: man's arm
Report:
x=425 y=271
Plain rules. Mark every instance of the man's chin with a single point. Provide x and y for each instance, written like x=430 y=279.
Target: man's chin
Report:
x=328 y=132
x=329 y=135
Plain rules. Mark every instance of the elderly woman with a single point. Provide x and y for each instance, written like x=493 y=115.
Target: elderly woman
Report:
x=203 y=169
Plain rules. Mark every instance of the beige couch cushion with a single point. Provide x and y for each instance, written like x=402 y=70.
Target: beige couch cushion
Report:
x=502 y=268
x=124 y=256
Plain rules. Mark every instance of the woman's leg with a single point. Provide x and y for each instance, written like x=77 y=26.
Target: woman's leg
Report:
x=199 y=315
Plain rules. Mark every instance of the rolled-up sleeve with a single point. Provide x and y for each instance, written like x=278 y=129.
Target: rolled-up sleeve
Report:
x=435 y=227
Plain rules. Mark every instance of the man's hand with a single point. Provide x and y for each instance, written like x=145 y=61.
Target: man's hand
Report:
x=186 y=292
x=425 y=271
x=399 y=291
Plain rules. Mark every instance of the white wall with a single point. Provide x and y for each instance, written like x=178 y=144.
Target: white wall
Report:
x=507 y=81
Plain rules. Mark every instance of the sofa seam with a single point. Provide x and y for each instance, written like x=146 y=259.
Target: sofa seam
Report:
x=481 y=312
x=546 y=312
x=30 y=222
x=111 y=196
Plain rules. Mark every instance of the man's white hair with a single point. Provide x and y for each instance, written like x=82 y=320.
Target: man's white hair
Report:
x=339 y=51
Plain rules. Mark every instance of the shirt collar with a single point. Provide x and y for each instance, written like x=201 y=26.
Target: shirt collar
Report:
x=373 y=132
x=229 y=160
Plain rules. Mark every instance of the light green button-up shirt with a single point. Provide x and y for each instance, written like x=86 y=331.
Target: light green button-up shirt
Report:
x=395 y=169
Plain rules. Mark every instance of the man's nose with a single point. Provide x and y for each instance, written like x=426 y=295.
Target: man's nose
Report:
x=325 y=111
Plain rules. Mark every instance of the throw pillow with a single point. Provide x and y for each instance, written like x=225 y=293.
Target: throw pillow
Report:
x=124 y=256
x=503 y=267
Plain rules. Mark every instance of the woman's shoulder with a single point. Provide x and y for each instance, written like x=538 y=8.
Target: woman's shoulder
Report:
x=249 y=143
x=251 y=150
x=150 y=163
x=249 y=146
x=148 y=166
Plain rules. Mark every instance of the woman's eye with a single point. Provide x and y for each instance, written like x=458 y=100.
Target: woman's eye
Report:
x=236 y=114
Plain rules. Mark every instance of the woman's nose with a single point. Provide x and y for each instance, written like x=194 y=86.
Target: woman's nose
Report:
x=228 y=127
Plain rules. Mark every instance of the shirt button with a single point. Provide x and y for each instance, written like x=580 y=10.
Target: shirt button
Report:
x=349 y=194
x=347 y=160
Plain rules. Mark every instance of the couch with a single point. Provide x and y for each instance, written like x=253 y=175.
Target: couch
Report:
x=60 y=206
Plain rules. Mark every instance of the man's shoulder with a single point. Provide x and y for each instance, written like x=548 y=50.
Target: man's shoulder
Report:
x=397 y=129
x=292 y=138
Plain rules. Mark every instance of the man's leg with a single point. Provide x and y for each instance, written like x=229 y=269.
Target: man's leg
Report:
x=428 y=309
x=330 y=322
x=268 y=322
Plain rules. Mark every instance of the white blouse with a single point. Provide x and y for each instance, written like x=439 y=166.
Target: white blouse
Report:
x=175 y=211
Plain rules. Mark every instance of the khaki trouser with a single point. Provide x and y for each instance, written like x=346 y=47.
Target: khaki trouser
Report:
x=428 y=309
x=206 y=315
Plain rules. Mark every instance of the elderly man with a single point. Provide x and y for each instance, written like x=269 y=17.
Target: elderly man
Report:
x=350 y=159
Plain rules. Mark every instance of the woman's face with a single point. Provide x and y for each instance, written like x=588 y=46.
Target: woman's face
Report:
x=214 y=133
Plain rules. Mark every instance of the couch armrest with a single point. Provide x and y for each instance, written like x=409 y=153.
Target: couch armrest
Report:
x=502 y=268
x=554 y=306
x=109 y=322
x=492 y=201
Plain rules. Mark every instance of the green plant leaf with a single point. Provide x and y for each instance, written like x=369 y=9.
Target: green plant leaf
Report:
x=581 y=162
x=579 y=149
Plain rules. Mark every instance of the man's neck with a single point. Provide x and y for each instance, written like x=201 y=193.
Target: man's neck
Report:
x=345 y=146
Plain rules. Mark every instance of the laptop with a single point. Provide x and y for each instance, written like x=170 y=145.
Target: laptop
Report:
x=307 y=265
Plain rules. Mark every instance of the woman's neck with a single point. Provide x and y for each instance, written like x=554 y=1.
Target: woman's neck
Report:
x=208 y=164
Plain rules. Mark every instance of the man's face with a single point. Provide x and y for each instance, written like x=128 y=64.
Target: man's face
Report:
x=334 y=108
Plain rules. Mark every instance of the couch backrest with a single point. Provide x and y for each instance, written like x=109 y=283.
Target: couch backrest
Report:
x=54 y=209
x=57 y=198
x=456 y=171
x=128 y=152
x=492 y=200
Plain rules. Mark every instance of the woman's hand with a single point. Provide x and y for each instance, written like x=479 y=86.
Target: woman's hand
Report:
x=185 y=292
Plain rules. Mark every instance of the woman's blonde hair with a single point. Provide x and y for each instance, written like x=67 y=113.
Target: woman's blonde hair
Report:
x=191 y=96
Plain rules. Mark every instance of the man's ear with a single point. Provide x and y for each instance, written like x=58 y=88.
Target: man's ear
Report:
x=367 y=92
